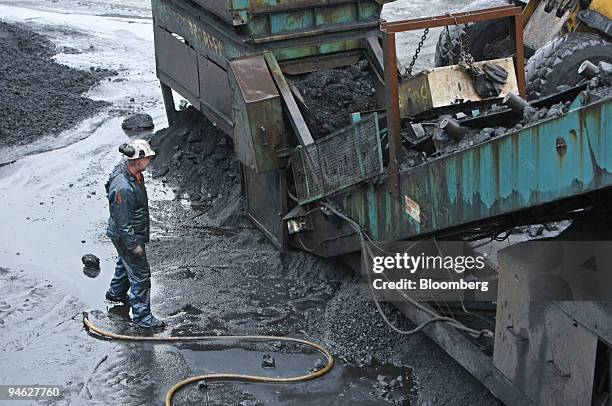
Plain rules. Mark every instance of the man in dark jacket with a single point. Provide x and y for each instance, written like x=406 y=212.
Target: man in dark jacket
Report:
x=128 y=229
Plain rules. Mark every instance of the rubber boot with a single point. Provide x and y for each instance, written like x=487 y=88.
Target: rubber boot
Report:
x=150 y=322
x=112 y=298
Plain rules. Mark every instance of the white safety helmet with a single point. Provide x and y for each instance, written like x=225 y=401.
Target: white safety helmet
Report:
x=135 y=149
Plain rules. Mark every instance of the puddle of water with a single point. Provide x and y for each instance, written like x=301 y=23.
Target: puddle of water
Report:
x=343 y=385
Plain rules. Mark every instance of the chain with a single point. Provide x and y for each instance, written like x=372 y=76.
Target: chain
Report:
x=417 y=52
x=465 y=56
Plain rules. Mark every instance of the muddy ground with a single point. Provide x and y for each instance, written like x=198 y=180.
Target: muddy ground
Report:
x=213 y=273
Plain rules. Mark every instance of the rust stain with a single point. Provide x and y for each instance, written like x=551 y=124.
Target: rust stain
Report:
x=561 y=146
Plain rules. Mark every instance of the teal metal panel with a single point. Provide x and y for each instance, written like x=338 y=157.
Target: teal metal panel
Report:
x=318 y=49
x=371 y=196
x=558 y=159
x=340 y=14
x=240 y=4
x=291 y=21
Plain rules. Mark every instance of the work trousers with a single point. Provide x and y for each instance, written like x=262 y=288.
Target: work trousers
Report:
x=132 y=272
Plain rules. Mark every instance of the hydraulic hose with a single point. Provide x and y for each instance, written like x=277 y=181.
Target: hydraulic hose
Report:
x=96 y=331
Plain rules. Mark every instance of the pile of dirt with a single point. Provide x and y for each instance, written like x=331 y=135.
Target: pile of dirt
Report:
x=39 y=96
x=197 y=159
x=332 y=95
x=355 y=332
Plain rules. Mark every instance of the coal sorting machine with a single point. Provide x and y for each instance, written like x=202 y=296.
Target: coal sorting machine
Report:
x=391 y=170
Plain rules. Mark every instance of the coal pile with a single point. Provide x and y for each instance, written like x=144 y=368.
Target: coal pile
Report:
x=354 y=330
x=39 y=96
x=196 y=158
x=332 y=95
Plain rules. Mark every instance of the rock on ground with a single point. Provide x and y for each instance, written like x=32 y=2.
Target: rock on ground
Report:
x=138 y=122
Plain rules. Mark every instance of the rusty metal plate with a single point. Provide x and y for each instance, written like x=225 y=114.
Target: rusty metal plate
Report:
x=254 y=78
x=259 y=129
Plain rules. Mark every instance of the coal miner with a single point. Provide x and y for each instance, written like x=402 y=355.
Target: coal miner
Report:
x=128 y=229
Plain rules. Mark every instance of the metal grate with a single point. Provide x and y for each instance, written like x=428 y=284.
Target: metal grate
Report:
x=339 y=160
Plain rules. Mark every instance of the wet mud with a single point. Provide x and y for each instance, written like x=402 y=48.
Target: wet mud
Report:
x=34 y=85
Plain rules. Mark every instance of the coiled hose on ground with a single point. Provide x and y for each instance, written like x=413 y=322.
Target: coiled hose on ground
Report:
x=98 y=332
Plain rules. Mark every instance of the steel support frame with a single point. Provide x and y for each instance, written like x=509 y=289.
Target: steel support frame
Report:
x=469 y=355
x=389 y=29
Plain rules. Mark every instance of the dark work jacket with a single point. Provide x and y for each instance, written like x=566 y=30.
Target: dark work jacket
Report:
x=129 y=208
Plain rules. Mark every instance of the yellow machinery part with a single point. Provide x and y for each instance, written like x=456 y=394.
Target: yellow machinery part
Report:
x=603 y=7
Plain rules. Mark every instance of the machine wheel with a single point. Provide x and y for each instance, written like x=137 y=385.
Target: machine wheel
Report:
x=557 y=62
x=488 y=39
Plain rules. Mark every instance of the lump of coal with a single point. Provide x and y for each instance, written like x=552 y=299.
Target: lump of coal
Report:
x=605 y=73
x=138 y=122
x=183 y=104
x=499 y=132
x=268 y=361
x=91 y=261
x=92 y=265
x=529 y=114
x=482 y=136
x=91 y=272
x=536 y=230
x=411 y=158
x=366 y=361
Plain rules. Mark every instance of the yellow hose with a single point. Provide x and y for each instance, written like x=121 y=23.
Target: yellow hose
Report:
x=220 y=377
